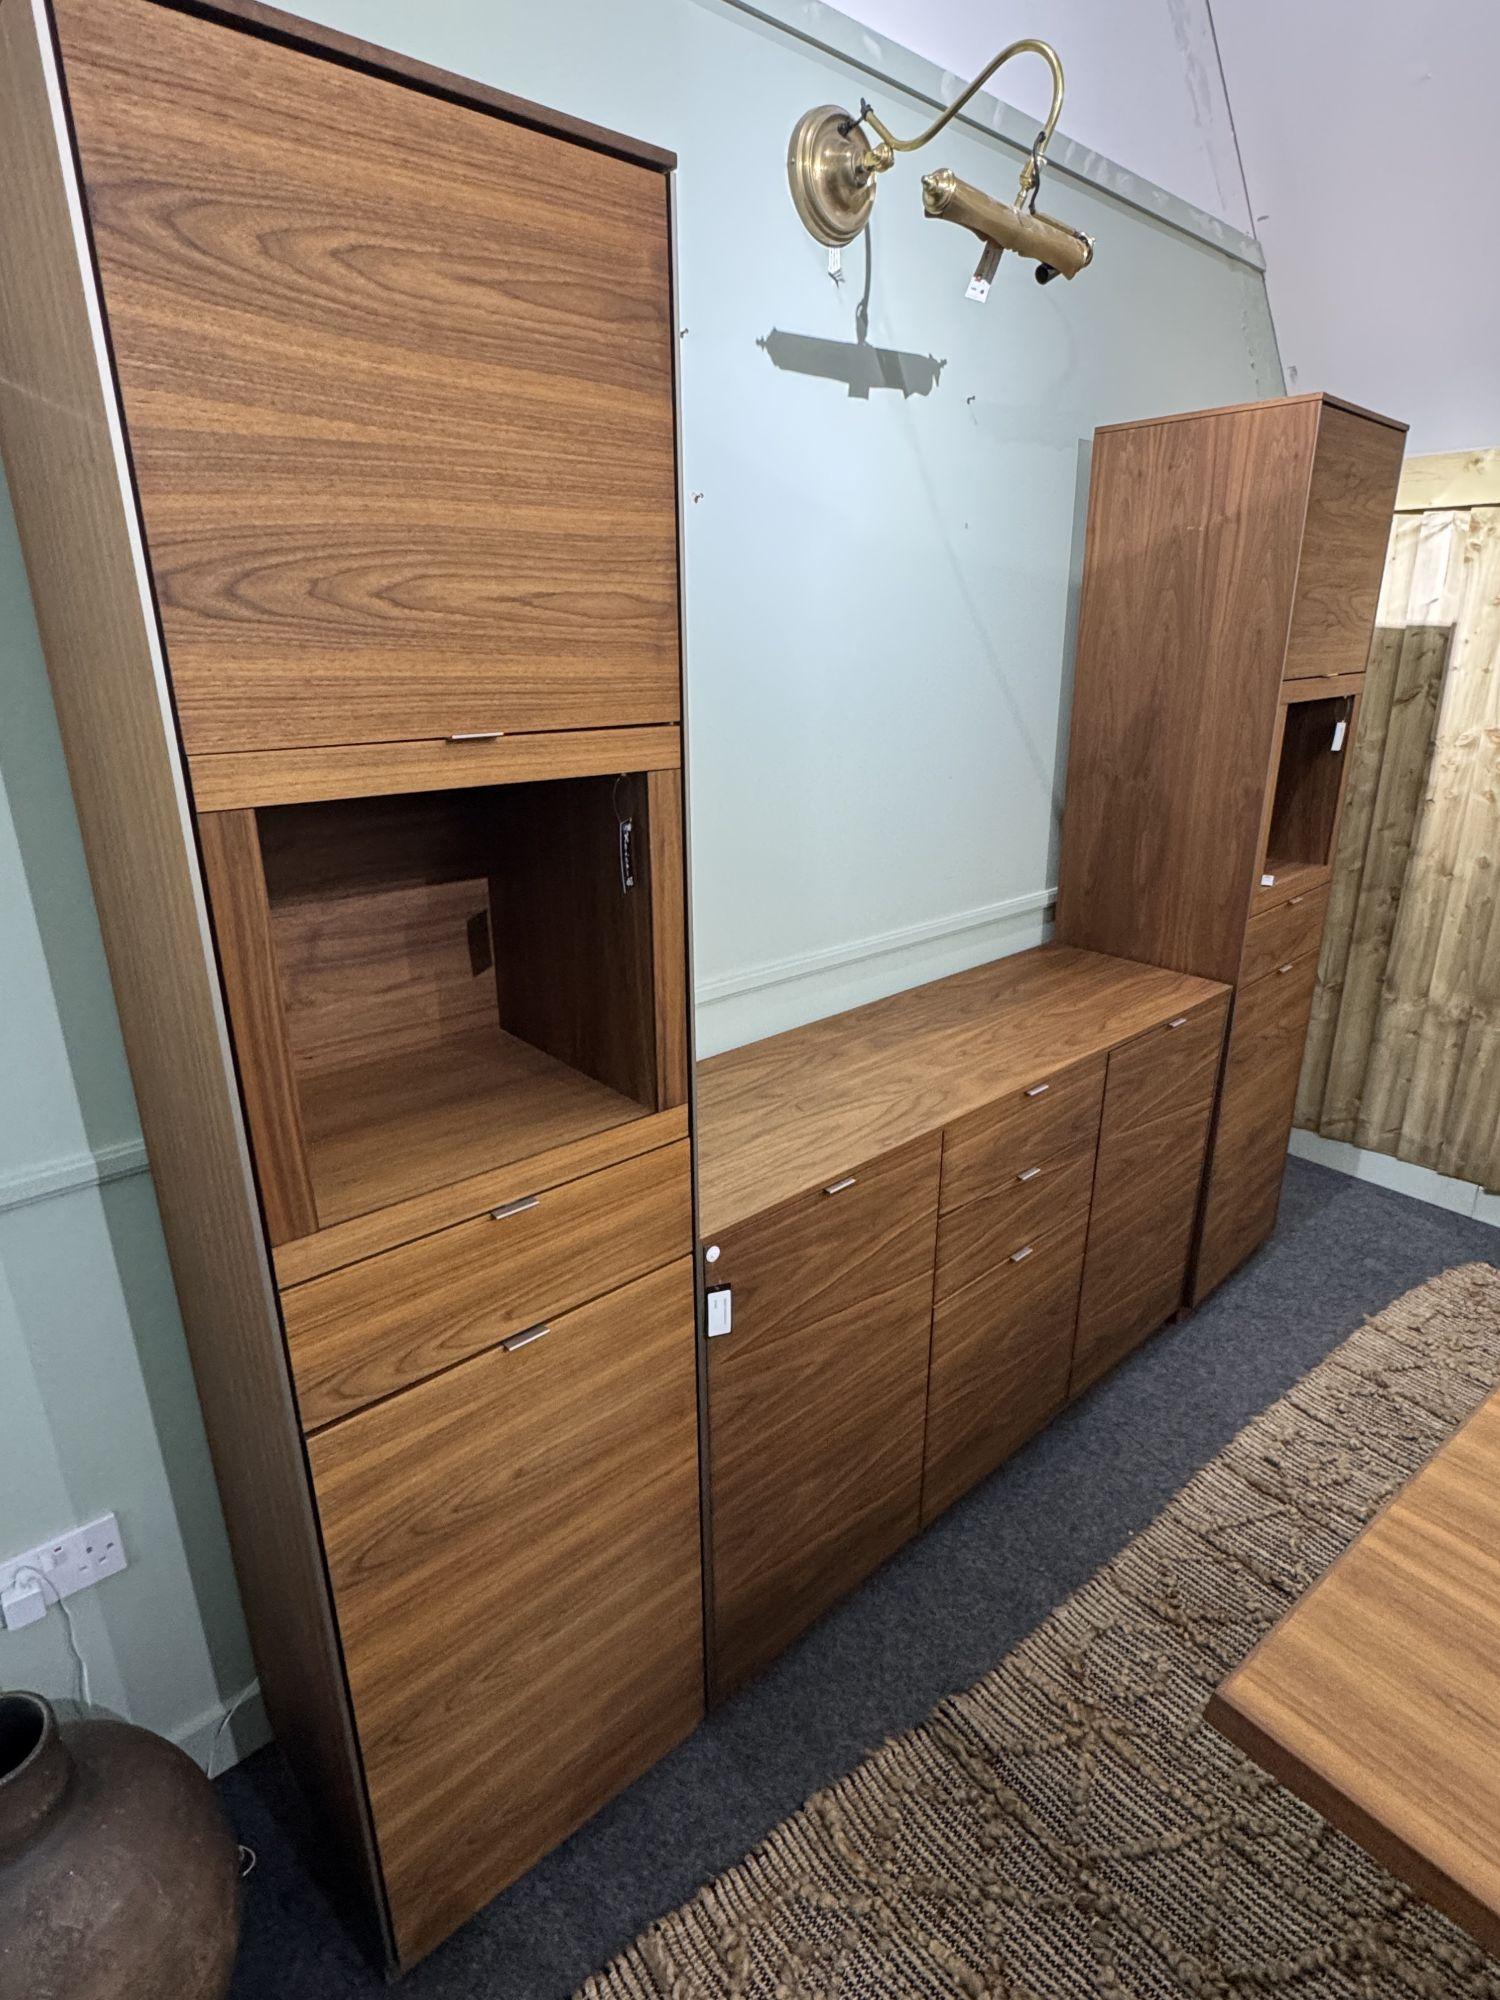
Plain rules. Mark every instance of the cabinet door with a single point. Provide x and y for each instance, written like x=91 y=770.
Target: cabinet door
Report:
x=406 y=470
x=817 y=1400
x=1157 y=1101
x=1356 y=466
x=515 y=1560
x=1001 y=1347
x=1255 y=1118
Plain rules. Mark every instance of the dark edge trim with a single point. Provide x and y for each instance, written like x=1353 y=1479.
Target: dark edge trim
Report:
x=383 y=1929
x=700 y=1271
x=274 y=24
x=1387 y=1848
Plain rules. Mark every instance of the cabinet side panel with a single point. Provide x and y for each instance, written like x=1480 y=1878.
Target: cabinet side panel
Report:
x=1192 y=552
x=232 y=873
x=64 y=459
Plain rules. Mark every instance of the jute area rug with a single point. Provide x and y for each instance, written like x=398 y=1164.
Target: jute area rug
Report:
x=1071 y=1826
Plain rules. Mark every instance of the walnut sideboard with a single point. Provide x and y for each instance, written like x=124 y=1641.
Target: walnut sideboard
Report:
x=933 y=1220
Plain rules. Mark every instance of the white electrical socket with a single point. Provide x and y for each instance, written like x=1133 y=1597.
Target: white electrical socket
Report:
x=69 y=1563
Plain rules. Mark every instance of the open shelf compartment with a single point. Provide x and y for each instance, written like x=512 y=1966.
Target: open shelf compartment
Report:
x=1311 y=761
x=452 y=981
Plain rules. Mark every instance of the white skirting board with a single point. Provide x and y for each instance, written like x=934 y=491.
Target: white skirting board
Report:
x=1463 y=1197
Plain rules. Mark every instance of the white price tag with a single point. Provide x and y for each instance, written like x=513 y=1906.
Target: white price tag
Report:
x=979 y=290
x=1339 y=729
x=720 y=1310
x=835 y=261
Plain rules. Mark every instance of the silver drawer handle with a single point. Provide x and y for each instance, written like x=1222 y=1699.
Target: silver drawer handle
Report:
x=1180 y=1022
x=1038 y=1090
x=1284 y=968
x=1028 y=1173
x=1020 y=1256
x=519 y=1340
x=477 y=736
x=1293 y=901
x=515 y=1207
x=837 y=1187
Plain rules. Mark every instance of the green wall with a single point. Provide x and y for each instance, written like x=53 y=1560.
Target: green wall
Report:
x=883 y=530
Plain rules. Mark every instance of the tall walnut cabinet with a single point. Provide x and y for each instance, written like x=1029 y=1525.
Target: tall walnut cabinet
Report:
x=338 y=407
x=1230 y=583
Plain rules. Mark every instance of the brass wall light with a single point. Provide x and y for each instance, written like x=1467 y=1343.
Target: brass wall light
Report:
x=833 y=163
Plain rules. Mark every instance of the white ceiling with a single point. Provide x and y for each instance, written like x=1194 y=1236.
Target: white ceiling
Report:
x=1366 y=130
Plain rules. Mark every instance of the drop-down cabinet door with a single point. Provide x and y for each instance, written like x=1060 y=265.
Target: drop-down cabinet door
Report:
x=1158 y=1097
x=817 y=1400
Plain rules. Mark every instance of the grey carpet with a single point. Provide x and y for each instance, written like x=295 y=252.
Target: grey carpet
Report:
x=937 y=1618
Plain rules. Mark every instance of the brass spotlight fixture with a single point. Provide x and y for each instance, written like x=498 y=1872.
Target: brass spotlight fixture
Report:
x=833 y=163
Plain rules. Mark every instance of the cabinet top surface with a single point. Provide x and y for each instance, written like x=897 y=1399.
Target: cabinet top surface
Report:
x=1377 y=1697
x=1263 y=403
x=783 y=1115
x=318 y=39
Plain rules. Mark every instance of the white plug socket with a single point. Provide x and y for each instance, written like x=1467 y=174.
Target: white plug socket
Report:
x=68 y=1563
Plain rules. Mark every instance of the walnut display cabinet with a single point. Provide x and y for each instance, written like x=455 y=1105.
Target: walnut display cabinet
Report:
x=1230 y=584
x=337 y=401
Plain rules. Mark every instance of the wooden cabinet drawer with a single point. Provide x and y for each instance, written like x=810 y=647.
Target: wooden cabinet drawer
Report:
x=1255 y=1119
x=1158 y=1099
x=375 y=1327
x=981 y=1235
x=816 y=1401
x=1001 y=1349
x=1283 y=932
x=515 y=1560
x=1052 y=1116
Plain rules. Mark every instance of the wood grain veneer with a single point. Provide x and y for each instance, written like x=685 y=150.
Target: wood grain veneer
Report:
x=1356 y=471
x=1001 y=1351
x=1377 y=1697
x=368 y=770
x=316 y=38
x=379 y=1132
x=975 y=1240
x=790 y=1113
x=420 y=1215
x=514 y=1548
x=816 y=1401
x=573 y=946
x=1254 y=1117
x=1230 y=579
x=402 y=474
x=1191 y=564
x=93 y=607
x=1054 y=1114
x=233 y=876
x=374 y=1328
x=1158 y=1102
x=1287 y=929
x=667 y=869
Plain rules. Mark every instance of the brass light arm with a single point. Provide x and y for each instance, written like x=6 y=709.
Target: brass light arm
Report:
x=1028 y=47
x=834 y=158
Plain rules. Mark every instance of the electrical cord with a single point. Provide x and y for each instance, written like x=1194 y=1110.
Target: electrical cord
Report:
x=44 y=1583
x=248 y=1856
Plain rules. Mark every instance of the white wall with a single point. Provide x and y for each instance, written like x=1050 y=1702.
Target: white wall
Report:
x=1368 y=134
x=1143 y=83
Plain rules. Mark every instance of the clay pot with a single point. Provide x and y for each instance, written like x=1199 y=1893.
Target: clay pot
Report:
x=119 y=1876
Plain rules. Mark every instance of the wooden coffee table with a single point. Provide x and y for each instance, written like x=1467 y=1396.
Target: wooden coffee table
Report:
x=1377 y=1697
